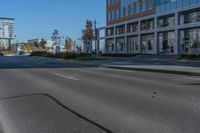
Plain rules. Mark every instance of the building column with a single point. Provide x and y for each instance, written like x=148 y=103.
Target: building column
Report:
x=97 y=41
x=155 y=47
x=115 y=43
x=98 y=46
x=176 y=47
x=156 y=51
x=139 y=37
x=126 y=44
x=105 y=40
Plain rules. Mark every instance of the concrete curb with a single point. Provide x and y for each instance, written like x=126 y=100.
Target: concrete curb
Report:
x=153 y=70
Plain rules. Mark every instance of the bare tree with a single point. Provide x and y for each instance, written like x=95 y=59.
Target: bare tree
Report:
x=88 y=32
x=68 y=44
x=88 y=36
x=36 y=45
x=43 y=43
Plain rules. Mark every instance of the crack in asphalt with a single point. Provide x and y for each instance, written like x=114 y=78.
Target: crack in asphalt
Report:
x=63 y=106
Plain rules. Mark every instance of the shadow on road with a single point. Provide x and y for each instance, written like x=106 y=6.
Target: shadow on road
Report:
x=27 y=62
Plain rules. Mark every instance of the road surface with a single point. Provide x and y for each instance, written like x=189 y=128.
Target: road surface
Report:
x=38 y=94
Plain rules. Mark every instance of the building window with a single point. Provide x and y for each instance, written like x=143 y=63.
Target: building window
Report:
x=190 y=17
x=167 y=5
x=117 y=13
x=132 y=27
x=144 y=5
x=150 y=44
x=150 y=4
x=110 y=32
x=133 y=44
x=112 y=1
x=131 y=9
x=190 y=41
x=109 y=2
x=166 y=42
x=166 y=21
x=147 y=24
x=120 y=45
x=147 y=43
x=110 y=45
x=137 y=7
x=113 y=15
x=122 y=12
x=120 y=29
x=126 y=11
x=109 y=16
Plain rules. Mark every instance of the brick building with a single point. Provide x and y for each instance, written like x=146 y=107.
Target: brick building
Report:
x=153 y=26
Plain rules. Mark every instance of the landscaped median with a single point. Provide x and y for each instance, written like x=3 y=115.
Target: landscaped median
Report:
x=189 y=57
x=69 y=56
x=193 y=71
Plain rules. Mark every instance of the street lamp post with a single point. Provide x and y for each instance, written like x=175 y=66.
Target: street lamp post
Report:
x=96 y=37
x=15 y=45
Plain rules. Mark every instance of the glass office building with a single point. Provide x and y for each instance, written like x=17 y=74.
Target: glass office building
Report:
x=170 y=5
x=153 y=26
x=6 y=33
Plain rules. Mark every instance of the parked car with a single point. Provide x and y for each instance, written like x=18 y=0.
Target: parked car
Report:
x=1 y=54
x=21 y=52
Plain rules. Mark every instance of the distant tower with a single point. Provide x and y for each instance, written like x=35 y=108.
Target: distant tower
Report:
x=6 y=32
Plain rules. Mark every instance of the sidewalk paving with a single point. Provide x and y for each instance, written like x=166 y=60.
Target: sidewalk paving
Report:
x=172 y=69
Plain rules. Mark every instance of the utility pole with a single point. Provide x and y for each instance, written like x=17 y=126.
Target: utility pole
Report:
x=95 y=30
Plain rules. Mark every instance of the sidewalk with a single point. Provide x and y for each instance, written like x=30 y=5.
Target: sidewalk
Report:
x=172 y=69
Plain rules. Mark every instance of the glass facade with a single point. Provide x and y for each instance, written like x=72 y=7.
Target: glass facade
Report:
x=177 y=32
x=111 y=2
x=125 y=8
x=168 y=5
x=147 y=44
x=190 y=41
x=166 y=21
x=144 y=5
x=166 y=42
x=150 y=4
x=120 y=29
x=110 y=31
x=120 y=43
x=133 y=45
x=132 y=27
x=147 y=24
x=190 y=16
x=6 y=32
x=110 y=45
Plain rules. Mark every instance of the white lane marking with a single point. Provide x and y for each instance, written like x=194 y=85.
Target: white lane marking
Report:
x=64 y=76
x=191 y=78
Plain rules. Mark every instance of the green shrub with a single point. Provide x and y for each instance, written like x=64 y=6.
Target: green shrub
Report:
x=189 y=57
x=44 y=54
x=119 y=55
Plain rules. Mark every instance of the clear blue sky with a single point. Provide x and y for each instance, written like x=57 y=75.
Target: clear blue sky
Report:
x=38 y=18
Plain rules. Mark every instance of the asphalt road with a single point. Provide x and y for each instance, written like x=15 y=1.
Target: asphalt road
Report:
x=49 y=95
